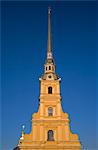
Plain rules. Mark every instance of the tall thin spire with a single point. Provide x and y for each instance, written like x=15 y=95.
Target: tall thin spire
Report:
x=49 y=46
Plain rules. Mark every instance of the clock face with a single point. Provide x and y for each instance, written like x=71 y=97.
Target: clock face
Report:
x=50 y=76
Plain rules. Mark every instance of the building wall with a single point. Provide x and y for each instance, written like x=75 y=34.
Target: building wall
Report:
x=42 y=123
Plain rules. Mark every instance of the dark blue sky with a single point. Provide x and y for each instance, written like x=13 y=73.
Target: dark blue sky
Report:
x=24 y=44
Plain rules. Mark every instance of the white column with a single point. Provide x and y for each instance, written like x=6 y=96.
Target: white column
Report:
x=67 y=132
x=34 y=132
x=59 y=133
x=41 y=133
x=41 y=109
x=59 y=109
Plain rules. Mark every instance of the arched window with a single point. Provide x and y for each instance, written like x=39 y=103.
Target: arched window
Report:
x=50 y=111
x=50 y=135
x=49 y=67
x=49 y=90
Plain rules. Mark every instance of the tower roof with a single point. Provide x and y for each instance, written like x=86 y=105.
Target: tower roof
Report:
x=49 y=46
x=49 y=67
x=49 y=43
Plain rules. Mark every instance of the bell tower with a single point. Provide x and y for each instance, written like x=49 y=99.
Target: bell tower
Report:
x=50 y=125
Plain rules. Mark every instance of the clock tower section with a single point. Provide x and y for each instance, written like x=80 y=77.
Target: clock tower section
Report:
x=50 y=125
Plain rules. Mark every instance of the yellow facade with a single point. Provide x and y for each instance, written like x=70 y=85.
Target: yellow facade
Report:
x=50 y=125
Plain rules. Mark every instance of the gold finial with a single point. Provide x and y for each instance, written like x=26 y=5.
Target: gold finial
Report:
x=49 y=10
x=22 y=137
x=23 y=127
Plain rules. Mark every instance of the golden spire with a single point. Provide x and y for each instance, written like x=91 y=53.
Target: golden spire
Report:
x=49 y=46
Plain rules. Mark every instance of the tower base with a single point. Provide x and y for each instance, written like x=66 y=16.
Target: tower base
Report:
x=53 y=145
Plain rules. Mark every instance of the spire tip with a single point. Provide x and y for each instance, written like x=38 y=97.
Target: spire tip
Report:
x=49 y=10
